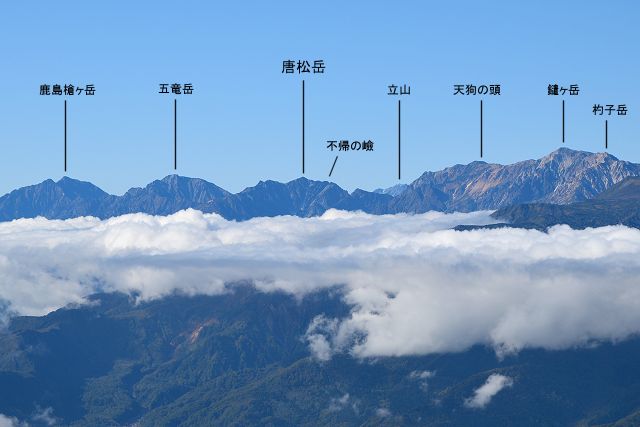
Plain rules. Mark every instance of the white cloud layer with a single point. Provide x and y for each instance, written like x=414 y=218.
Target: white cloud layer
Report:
x=416 y=286
x=339 y=403
x=40 y=416
x=483 y=394
x=421 y=377
x=6 y=421
x=383 y=412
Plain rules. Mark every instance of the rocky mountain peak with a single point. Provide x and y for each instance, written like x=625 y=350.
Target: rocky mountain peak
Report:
x=563 y=176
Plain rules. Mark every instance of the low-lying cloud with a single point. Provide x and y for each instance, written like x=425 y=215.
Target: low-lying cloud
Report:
x=6 y=421
x=421 y=378
x=483 y=394
x=339 y=403
x=415 y=285
x=41 y=417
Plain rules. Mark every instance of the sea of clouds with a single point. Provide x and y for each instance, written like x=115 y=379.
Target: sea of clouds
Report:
x=416 y=286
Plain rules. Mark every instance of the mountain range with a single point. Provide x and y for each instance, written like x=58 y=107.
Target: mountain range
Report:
x=619 y=204
x=564 y=176
x=237 y=359
x=240 y=358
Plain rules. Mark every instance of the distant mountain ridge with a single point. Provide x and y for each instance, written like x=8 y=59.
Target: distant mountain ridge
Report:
x=617 y=205
x=564 y=176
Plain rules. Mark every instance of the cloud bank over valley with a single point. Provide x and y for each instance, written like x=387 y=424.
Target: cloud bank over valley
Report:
x=415 y=285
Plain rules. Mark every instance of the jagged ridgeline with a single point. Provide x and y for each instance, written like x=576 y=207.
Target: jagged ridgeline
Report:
x=562 y=177
x=619 y=204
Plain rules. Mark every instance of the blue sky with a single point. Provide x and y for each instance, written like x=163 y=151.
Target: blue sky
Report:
x=242 y=124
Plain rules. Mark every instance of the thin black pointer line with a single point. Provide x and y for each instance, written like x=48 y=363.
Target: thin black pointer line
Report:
x=481 y=130
x=303 y=127
x=399 y=121
x=334 y=165
x=175 y=134
x=563 y=120
x=65 y=135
